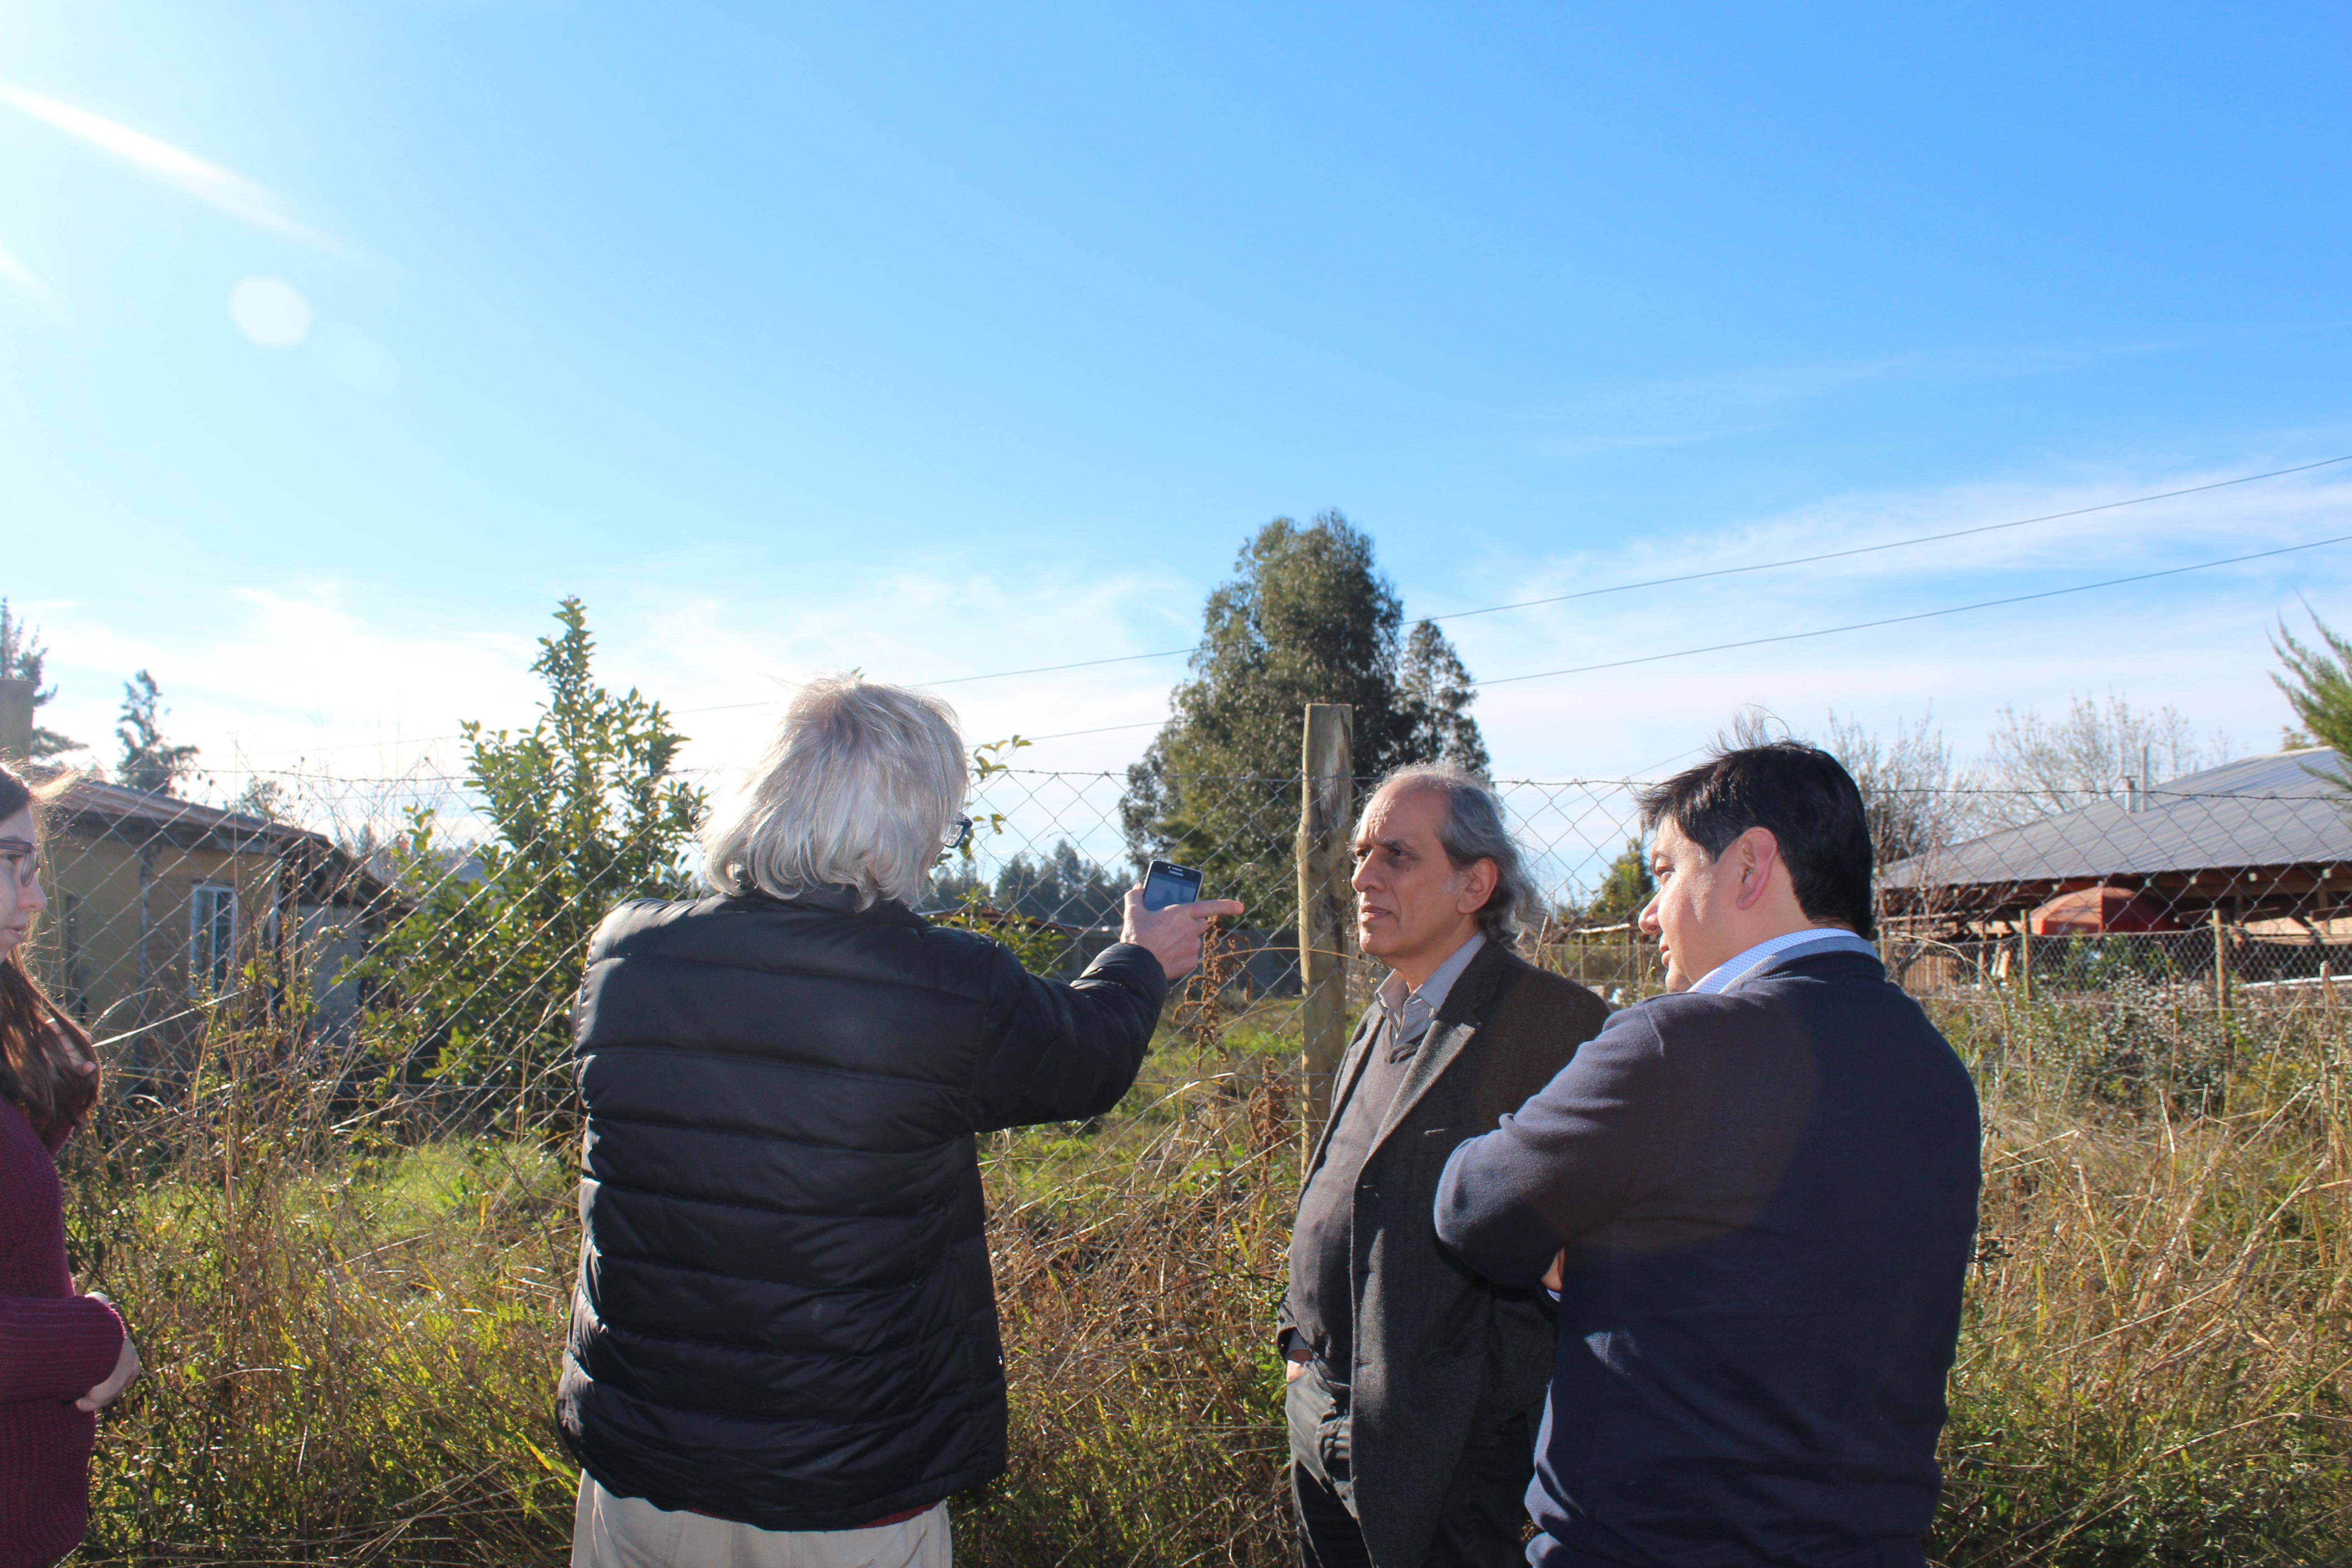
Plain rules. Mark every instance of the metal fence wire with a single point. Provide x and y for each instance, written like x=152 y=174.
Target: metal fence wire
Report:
x=332 y=1179
x=317 y=908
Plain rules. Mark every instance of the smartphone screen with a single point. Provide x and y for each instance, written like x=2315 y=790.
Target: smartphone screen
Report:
x=1167 y=883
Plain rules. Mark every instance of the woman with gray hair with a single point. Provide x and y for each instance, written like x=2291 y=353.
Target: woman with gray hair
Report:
x=784 y=1346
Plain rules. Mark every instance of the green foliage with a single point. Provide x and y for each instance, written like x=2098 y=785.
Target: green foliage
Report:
x=149 y=763
x=2319 y=686
x=350 y=1351
x=1626 y=891
x=1039 y=947
x=477 y=980
x=1307 y=617
x=21 y=656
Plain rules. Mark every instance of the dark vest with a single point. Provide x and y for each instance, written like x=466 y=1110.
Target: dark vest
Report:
x=784 y=1315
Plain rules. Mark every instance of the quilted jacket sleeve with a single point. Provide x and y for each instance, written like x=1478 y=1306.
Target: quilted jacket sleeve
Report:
x=1067 y=1051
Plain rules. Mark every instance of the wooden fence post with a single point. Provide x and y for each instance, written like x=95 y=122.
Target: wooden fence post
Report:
x=2025 y=957
x=1327 y=813
x=16 y=722
x=2220 y=964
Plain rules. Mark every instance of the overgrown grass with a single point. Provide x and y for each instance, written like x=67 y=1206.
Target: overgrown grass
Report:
x=2153 y=1367
x=349 y=1341
x=351 y=1325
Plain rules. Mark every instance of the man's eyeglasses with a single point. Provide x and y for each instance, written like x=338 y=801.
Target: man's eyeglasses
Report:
x=959 y=833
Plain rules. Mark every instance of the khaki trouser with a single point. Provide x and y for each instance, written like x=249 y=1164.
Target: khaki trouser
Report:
x=610 y=1532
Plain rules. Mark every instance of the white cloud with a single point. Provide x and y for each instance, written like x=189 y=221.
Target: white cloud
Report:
x=222 y=188
x=337 y=678
x=2197 y=641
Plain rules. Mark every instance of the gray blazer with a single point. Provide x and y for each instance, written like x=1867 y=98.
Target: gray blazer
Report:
x=1442 y=1353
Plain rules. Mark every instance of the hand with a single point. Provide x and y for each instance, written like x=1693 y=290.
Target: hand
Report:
x=126 y=1367
x=1172 y=935
x=1553 y=1275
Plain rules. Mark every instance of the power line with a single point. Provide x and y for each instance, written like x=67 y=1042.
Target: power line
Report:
x=1049 y=668
x=1629 y=587
x=1891 y=545
x=1834 y=631
x=1107 y=728
x=1717 y=572
x=1919 y=615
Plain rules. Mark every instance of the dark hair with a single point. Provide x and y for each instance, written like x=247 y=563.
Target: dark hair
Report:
x=1474 y=831
x=41 y=1050
x=1801 y=797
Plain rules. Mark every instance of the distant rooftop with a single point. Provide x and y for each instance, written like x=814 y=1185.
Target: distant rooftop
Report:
x=2275 y=825
x=90 y=802
x=92 y=809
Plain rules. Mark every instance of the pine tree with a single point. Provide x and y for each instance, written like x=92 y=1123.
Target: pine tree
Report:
x=148 y=762
x=21 y=656
x=2319 y=687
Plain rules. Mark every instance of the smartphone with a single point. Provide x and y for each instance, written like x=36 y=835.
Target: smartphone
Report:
x=1167 y=883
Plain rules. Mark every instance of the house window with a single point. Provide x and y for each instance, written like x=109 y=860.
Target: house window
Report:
x=212 y=935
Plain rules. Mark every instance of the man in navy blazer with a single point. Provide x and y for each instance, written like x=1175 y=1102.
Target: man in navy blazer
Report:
x=1756 y=1197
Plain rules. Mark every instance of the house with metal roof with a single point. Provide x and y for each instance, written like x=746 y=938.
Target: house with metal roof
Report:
x=2266 y=838
x=160 y=906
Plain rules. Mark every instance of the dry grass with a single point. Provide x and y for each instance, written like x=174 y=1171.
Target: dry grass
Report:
x=2154 y=1365
x=353 y=1327
x=349 y=1336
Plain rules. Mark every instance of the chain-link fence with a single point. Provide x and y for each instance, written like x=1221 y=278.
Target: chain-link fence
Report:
x=331 y=1181
x=2236 y=884
x=314 y=900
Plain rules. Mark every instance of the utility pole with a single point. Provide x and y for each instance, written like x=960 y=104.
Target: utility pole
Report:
x=1327 y=812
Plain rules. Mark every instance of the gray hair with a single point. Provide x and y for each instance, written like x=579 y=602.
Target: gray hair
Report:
x=856 y=790
x=1472 y=831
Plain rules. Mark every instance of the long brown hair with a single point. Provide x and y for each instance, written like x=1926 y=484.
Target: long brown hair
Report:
x=41 y=1050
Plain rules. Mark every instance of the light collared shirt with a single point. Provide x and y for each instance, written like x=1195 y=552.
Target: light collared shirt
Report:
x=1409 y=1010
x=1732 y=970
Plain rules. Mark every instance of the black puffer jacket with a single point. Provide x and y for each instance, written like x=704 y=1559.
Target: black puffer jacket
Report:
x=784 y=1315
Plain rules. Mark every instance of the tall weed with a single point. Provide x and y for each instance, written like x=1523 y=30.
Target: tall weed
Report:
x=352 y=1315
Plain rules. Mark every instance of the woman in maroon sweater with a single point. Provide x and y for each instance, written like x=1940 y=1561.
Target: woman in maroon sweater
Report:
x=62 y=1355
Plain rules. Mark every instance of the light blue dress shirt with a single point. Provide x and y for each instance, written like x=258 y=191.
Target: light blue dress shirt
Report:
x=1732 y=970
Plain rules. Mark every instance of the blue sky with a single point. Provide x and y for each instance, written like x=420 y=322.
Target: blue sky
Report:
x=936 y=342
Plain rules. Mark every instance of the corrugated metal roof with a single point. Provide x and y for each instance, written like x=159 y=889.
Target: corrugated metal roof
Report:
x=2280 y=809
